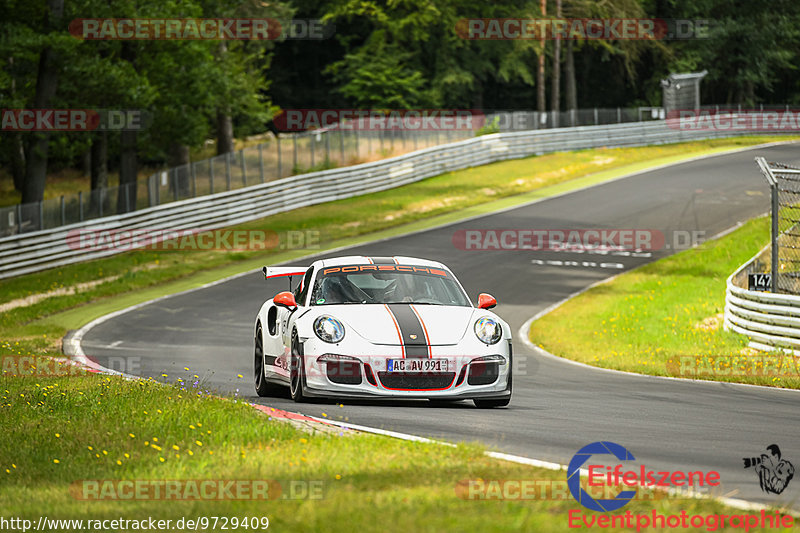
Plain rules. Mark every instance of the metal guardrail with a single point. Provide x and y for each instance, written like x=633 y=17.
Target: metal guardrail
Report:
x=770 y=320
x=281 y=156
x=40 y=250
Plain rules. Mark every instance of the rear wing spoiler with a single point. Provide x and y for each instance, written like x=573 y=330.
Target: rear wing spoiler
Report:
x=277 y=272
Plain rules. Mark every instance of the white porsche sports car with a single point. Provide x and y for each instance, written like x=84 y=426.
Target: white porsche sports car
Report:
x=381 y=327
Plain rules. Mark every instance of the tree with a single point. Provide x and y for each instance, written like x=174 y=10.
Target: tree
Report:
x=746 y=50
x=46 y=84
x=405 y=54
x=541 y=105
x=555 y=93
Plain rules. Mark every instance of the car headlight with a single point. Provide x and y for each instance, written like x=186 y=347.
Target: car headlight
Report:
x=488 y=330
x=328 y=329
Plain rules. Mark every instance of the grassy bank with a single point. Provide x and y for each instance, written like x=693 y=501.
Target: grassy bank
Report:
x=60 y=432
x=665 y=318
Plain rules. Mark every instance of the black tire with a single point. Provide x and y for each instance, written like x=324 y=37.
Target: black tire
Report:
x=297 y=371
x=263 y=387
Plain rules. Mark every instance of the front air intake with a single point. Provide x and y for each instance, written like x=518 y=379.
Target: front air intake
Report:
x=344 y=372
x=483 y=373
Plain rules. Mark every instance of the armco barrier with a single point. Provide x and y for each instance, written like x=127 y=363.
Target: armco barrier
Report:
x=36 y=251
x=770 y=320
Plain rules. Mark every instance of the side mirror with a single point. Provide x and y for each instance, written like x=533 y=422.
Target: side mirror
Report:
x=486 y=301
x=285 y=299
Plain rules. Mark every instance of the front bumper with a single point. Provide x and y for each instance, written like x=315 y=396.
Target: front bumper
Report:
x=358 y=395
x=368 y=375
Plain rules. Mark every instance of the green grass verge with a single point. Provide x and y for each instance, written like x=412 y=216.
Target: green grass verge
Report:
x=58 y=432
x=665 y=318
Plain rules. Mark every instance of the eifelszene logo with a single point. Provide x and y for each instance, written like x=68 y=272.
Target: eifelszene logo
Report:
x=774 y=473
x=574 y=476
x=615 y=476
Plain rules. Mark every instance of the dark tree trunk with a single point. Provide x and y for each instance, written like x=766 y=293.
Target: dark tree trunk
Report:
x=224 y=132
x=569 y=68
x=35 y=168
x=16 y=149
x=36 y=158
x=17 y=161
x=87 y=162
x=100 y=174
x=128 y=163
x=178 y=155
x=128 y=171
x=179 y=175
x=750 y=93
x=478 y=100
x=46 y=84
x=555 y=90
x=541 y=104
x=224 y=120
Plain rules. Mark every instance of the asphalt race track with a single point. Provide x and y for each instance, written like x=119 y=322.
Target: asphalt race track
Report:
x=557 y=407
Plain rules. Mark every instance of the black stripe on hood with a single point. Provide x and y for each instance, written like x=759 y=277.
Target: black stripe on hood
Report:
x=409 y=325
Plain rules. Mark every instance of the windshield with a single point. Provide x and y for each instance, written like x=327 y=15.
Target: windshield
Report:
x=386 y=284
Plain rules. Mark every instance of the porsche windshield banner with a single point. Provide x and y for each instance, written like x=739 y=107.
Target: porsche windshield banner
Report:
x=410 y=269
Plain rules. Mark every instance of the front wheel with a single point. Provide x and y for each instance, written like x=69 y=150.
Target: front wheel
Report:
x=297 y=371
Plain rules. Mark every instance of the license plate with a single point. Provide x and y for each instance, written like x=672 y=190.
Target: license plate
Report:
x=416 y=365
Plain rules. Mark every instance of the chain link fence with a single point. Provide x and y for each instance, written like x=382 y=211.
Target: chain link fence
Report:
x=784 y=181
x=533 y=120
x=281 y=156
x=288 y=155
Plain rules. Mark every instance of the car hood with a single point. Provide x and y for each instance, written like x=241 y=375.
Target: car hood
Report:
x=444 y=325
